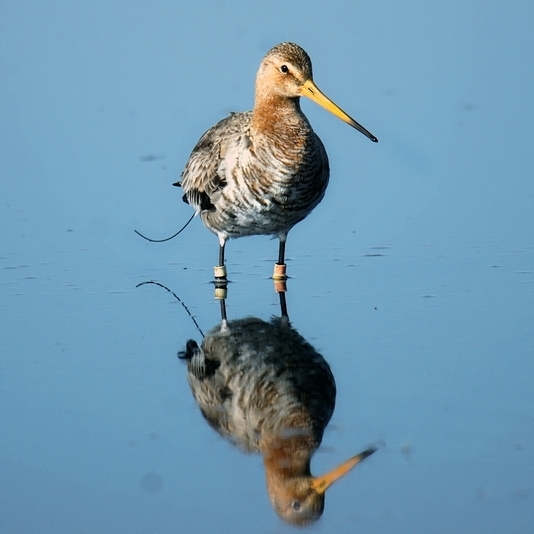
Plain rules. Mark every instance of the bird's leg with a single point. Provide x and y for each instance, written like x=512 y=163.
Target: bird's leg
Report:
x=220 y=270
x=282 y=251
x=280 y=266
x=221 y=283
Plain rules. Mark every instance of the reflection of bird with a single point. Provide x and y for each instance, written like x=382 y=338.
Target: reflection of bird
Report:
x=262 y=172
x=261 y=385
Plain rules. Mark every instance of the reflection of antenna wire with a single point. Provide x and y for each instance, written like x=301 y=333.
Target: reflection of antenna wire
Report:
x=176 y=297
x=167 y=238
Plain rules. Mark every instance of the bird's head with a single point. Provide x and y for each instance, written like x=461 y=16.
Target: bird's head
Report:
x=299 y=500
x=286 y=73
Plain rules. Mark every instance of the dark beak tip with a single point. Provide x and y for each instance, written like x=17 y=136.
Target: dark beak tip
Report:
x=371 y=450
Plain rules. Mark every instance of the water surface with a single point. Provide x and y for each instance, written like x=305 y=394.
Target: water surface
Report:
x=414 y=278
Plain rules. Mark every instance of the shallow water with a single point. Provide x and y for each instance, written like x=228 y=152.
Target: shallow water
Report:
x=414 y=278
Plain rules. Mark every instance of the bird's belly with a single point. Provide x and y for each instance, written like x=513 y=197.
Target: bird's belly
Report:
x=254 y=209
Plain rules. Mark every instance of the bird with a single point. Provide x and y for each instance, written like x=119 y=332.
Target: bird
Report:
x=262 y=386
x=261 y=172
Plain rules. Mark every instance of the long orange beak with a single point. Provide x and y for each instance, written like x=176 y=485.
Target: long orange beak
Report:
x=310 y=90
x=322 y=483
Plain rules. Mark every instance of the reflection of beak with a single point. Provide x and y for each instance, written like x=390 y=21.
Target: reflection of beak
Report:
x=321 y=484
x=310 y=90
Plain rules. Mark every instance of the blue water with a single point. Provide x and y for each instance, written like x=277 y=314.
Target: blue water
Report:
x=414 y=278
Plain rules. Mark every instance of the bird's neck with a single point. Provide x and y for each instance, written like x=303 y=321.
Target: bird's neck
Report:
x=276 y=116
x=288 y=457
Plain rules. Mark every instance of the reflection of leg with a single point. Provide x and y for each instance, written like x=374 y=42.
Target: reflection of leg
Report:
x=283 y=305
x=280 y=266
x=220 y=270
x=280 y=285
x=223 y=311
x=224 y=320
x=221 y=290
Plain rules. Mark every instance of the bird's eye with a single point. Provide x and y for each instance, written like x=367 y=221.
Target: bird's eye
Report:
x=284 y=69
x=295 y=505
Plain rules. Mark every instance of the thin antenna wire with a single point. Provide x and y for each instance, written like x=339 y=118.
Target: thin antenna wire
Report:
x=167 y=238
x=177 y=298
